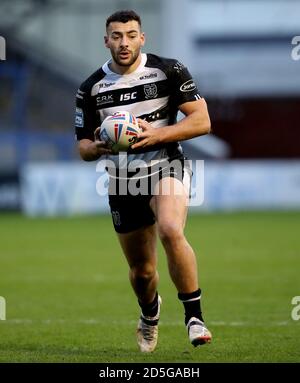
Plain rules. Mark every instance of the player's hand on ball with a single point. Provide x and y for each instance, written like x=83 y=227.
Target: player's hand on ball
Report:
x=150 y=136
x=100 y=146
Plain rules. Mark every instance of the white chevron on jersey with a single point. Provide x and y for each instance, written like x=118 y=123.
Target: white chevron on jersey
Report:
x=114 y=81
x=137 y=108
x=154 y=91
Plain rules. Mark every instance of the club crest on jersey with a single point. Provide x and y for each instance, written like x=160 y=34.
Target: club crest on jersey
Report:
x=150 y=90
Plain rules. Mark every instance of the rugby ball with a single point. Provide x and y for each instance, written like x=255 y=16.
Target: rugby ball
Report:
x=120 y=131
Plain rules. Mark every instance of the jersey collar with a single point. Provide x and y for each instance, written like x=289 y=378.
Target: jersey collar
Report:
x=106 y=69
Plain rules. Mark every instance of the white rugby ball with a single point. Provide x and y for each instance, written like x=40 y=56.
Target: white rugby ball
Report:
x=120 y=131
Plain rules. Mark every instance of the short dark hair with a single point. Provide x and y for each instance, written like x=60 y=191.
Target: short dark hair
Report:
x=123 y=17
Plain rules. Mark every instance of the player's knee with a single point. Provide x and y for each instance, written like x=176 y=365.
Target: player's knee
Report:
x=143 y=274
x=170 y=232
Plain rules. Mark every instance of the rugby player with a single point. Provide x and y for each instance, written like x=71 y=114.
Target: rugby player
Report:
x=154 y=89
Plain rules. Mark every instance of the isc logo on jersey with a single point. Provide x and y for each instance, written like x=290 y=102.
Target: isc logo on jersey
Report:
x=128 y=96
x=120 y=131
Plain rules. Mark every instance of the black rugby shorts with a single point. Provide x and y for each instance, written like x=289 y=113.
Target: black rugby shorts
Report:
x=131 y=212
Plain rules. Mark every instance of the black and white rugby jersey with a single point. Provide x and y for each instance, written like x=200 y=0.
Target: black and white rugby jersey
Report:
x=153 y=92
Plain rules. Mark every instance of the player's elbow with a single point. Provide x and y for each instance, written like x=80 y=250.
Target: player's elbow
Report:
x=208 y=126
x=204 y=125
x=84 y=156
x=204 y=119
x=84 y=151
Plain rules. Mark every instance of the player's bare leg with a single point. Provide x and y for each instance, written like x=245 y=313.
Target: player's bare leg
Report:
x=139 y=248
x=170 y=205
x=170 y=210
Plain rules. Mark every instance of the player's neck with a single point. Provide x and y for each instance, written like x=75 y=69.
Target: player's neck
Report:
x=121 y=69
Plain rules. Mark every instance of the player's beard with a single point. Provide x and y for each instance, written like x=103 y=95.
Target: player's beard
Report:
x=133 y=56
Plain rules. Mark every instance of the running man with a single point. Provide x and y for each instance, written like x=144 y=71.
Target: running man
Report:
x=154 y=89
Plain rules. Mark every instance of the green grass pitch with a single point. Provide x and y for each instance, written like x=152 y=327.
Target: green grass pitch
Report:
x=68 y=298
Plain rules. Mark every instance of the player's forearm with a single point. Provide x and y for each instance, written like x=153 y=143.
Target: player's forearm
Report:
x=196 y=124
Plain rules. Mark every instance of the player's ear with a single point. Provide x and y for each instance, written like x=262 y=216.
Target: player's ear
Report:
x=143 y=39
x=106 y=41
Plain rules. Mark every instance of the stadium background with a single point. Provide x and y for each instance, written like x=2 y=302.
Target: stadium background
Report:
x=61 y=270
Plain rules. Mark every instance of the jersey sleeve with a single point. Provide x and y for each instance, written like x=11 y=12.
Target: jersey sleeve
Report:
x=85 y=116
x=183 y=86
